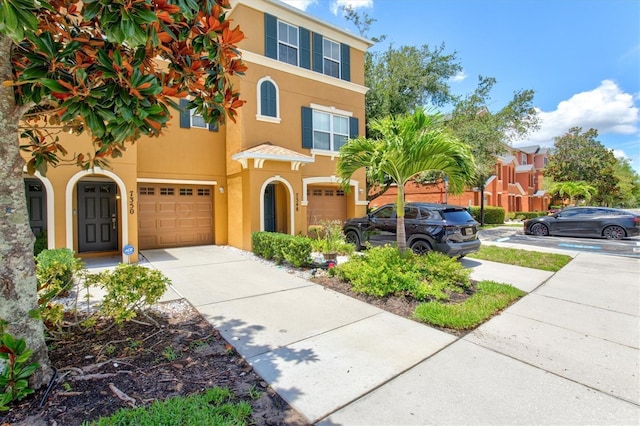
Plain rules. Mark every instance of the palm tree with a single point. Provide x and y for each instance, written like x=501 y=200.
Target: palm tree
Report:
x=407 y=145
x=573 y=190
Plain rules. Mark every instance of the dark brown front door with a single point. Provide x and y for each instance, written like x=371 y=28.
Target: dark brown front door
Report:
x=97 y=217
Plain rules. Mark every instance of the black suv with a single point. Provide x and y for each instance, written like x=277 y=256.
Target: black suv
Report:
x=444 y=228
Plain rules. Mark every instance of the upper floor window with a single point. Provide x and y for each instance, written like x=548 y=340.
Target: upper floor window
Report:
x=287 y=43
x=189 y=118
x=330 y=131
x=524 y=159
x=327 y=129
x=331 y=58
x=268 y=103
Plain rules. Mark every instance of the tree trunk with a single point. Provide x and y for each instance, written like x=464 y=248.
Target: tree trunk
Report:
x=401 y=233
x=18 y=285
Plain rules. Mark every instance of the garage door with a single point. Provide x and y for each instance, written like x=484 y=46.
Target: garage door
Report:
x=174 y=215
x=325 y=203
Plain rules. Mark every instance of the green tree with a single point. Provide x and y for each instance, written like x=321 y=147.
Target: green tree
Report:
x=573 y=190
x=579 y=156
x=108 y=68
x=628 y=186
x=408 y=145
x=489 y=134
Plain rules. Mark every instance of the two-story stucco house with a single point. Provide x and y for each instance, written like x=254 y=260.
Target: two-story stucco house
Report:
x=274 y=169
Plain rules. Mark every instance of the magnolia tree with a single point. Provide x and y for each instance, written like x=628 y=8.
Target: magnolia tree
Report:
x=112 y=69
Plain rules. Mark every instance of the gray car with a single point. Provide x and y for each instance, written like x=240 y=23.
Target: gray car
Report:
x=595 y=222
x=440 y=227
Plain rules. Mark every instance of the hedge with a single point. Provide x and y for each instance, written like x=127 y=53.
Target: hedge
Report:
x=280 y=247
x=492 y=215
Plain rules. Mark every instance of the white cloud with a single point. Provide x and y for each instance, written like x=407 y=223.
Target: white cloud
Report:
x=606 y=108
x=300 y=4
x=618 y=153
x=460 y=76
x=355 y=4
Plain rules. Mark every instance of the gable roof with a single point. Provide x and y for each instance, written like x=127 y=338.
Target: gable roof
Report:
x=268 y=151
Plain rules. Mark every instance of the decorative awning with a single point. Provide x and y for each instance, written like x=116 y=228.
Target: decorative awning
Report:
x=267 y=151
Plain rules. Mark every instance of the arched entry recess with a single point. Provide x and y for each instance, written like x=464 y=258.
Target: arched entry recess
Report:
x=46 y=208
x=71 y=193
x=275 y=203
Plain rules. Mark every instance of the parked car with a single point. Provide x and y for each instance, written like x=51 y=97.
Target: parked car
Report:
x=597 y=222
x=444 y=228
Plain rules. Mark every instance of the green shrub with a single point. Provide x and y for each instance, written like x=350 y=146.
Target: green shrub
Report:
x=15 y=369
x=55 y=271
x=298 y=251
x=279 y=247
x=129 y=288
x=384 y=271
x=492 y=215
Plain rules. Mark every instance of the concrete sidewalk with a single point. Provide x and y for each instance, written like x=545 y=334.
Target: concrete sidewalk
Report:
x=567 y=353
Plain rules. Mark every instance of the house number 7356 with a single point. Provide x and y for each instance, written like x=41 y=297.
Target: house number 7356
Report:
x=131 y=205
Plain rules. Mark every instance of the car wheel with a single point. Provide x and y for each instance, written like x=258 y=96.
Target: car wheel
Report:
x=421 y=247
x=352 y=238
x=539 y=229
x=614 y=232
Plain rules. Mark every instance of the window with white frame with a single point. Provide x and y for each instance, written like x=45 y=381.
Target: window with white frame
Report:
x=331 y=58
x=330 y=131
x=287 y=43
x=197 y=120
x=524 y=159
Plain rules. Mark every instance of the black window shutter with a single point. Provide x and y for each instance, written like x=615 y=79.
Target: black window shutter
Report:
x=185 y=114
x=345 y=62
x=213 y=127
x=268 y=101
x=317 y=52
x=270 y=36
x=305 y=48
x=307 y=127
x=353 y=127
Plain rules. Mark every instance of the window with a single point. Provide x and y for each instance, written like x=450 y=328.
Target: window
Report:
x=386 y=212
x=331 y=58
x=330 y=132
x=287 y=43
x=524 y=159
x=204 y=192
x=410 y=212
x=186 y=191
x=189 y=119
x=268 y=105
x=327 y=128
x=147 y=190
x=167 y=191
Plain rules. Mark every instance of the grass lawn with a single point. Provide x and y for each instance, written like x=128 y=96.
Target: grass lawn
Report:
x=212 y=407
x=490 y=297
x=530 y=259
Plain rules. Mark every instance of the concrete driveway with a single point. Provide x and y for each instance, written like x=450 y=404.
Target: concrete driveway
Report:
x=567 y=353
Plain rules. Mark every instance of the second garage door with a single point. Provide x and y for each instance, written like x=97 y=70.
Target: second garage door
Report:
x=325 y=203
x=174 y=215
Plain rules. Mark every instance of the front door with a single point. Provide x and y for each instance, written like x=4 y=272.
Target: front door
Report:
x=270 y=208
x=97 y=217
x=36 y=205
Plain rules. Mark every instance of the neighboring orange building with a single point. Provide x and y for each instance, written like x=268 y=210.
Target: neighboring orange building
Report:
x=274 y=169
x=516 y=185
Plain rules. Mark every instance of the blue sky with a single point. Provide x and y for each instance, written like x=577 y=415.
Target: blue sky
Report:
x=581 y=57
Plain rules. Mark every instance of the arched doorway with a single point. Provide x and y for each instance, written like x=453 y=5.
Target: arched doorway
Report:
x=276 y=207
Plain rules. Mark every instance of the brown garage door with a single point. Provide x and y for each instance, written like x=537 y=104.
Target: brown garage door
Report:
x=325 y=203
x=174 y=215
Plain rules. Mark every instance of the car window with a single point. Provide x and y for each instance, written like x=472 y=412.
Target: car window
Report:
x=384 y=212
x=457 y=216
x=410 y=213
x=429 y=214
x=568 y=213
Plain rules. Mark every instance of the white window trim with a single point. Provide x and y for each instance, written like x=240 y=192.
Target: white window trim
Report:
x=331 y=110
x=324 y=56
x=331 y=131
x=297 y=47
x=268 y=118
